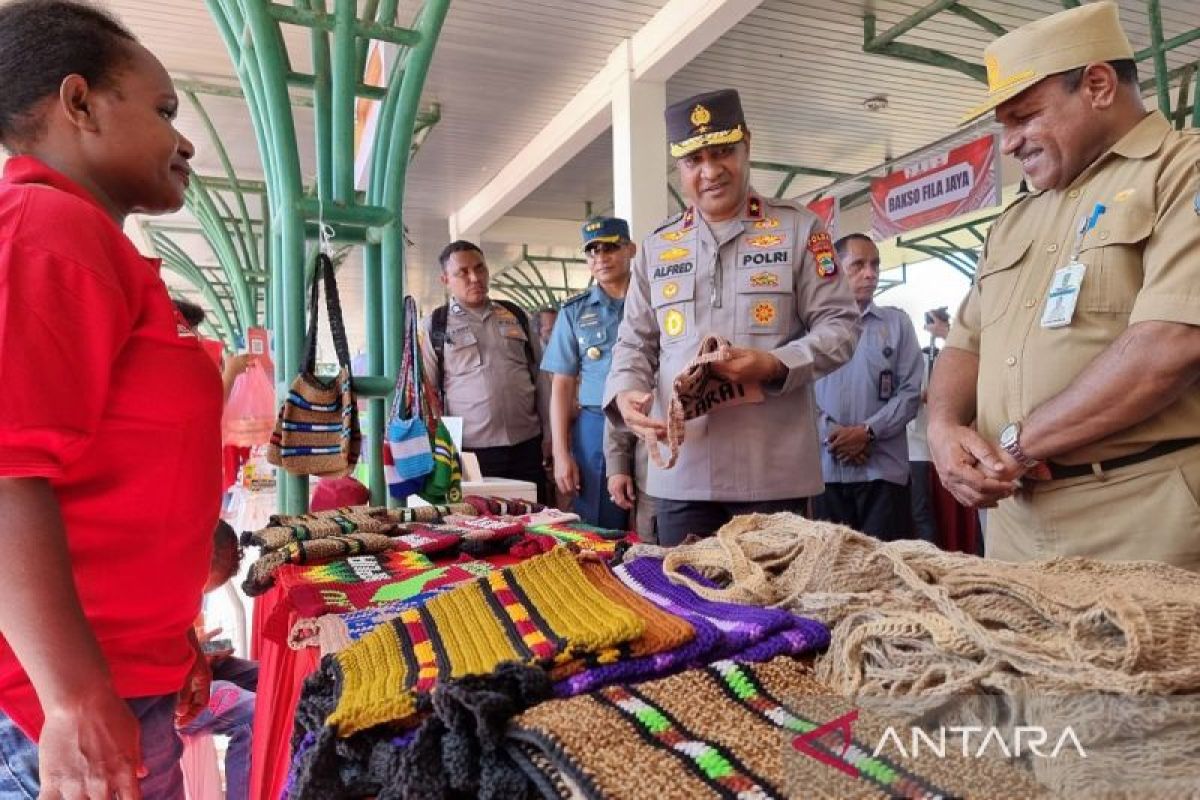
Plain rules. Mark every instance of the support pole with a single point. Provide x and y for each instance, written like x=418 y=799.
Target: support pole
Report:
x=638 y=131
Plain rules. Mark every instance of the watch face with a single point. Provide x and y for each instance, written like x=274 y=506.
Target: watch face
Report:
x=1008 y=435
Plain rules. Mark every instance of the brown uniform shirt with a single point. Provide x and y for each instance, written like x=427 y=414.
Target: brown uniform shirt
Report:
x=1142 y=263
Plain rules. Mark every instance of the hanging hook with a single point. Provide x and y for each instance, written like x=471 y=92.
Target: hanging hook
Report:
x=325 y=233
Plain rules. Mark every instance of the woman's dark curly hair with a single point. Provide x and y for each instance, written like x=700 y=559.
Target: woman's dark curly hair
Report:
x=41 y=43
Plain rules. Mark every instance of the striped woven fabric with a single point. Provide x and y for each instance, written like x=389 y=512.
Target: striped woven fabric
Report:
x=730 y=731
x=543 y=612
x=262 y=572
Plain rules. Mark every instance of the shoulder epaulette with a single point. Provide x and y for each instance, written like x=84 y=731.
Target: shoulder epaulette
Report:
x=779 y=201
x=575 y=298
x=669 y=222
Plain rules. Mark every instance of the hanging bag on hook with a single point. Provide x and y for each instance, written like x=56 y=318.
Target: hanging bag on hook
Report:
x=407 y=434
x=317 y=430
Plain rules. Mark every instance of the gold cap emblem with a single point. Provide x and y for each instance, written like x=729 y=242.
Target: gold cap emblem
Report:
x=701 y=116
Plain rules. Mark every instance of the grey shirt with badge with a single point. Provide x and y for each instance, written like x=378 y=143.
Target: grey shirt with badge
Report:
x=766 y=281
x=879 y=387
x=489 y=381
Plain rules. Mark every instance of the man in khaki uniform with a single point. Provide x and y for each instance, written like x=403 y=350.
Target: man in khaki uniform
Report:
x=1075 y=355
x=759 y=272
x=487 y=371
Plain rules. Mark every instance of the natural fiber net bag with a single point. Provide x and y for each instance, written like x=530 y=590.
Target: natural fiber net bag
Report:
x=317 y=430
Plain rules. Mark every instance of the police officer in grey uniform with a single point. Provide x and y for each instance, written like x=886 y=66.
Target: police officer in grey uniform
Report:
x=488 y=371
x=759 y=272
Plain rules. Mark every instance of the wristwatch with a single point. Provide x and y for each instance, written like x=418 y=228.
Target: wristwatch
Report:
x=1010 y=442
x=870 y=433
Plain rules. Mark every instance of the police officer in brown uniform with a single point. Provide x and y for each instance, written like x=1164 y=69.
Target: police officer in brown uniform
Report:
x=1067 y=391
x=759 y=272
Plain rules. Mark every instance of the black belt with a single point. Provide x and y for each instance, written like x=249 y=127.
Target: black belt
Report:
x=1060 y=471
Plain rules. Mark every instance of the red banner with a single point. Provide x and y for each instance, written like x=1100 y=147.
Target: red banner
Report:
x=827 y=209
x=938 y=188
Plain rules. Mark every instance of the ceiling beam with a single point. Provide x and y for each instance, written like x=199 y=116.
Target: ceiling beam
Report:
x=680 y=31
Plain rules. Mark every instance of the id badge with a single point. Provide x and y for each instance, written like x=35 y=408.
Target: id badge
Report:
x=887 y=384
x=1064 y=294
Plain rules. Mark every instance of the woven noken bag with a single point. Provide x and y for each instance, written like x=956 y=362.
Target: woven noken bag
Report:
x=317 y=430
x=910 y=620
x=696 y=391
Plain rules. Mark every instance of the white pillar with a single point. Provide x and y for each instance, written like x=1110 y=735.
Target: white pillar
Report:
x=639 y=136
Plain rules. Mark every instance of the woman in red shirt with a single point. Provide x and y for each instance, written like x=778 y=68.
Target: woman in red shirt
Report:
x=109 y=419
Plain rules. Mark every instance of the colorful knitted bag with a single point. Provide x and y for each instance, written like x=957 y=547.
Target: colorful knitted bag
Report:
x=285 y=530
x=543 y=611
x=646 y=656
x=361 y=582
x=696 y=391
x=745 y=632
x=730 y=731
x=262 y=572
x=317 y=431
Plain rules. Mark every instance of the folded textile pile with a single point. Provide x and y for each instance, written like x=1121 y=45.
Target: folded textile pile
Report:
x=728 y=630
x=500 y=506
x=729 y=730
x=543 y=611
x=912 y=620
x=361 y=582
x=261 y=576
x=285 y=530
x=650 y=655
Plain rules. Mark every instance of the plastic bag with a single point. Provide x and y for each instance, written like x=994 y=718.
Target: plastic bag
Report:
x=249 y=416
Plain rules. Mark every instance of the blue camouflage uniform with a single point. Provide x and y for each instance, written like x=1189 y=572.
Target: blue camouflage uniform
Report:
x=581 y=346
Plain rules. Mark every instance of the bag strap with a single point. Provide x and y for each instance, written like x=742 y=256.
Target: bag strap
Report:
x=333 y=304
x=309 y=364
x=437 y=337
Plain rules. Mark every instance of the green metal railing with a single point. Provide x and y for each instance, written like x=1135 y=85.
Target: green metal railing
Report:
x=527 y=285
x=251 y=30
x=886 y=43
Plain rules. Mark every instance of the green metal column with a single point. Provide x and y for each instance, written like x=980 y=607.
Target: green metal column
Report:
x=251 y=31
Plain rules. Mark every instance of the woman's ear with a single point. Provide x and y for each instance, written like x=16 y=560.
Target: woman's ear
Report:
x=74 y=101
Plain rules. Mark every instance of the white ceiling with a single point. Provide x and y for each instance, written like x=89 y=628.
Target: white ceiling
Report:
x=503 y=68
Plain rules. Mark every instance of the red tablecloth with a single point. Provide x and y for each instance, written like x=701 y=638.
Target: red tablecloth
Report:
x=281 y=674
x=958 y=526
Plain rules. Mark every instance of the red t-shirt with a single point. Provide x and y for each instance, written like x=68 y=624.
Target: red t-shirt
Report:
x=106 y=392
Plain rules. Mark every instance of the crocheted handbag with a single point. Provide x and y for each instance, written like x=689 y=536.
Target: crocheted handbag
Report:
x=407 y=434
x=697 y=390
x=317 y=430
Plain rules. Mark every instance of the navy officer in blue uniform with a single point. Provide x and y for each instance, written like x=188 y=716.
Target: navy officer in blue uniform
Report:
x=579 y=355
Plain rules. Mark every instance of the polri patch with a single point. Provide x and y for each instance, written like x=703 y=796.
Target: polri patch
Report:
x=764 y=259
x=821 y=247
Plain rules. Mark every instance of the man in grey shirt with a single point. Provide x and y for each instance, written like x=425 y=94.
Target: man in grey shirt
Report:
x=483 y=357
x=863 y=409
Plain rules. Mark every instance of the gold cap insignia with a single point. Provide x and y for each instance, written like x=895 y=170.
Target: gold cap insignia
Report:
x=701 y=116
